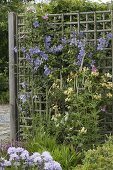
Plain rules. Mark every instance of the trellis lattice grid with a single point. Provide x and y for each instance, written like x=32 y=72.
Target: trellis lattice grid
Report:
x=92 y=25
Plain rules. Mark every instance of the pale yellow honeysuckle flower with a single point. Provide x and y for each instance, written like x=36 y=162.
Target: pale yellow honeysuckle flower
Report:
x=108 y=85
x=69 y=79
x=108 y=75
x=67 y=99
x=97 y=96
x=109 y=95
x=83 y=130
x=95 y=73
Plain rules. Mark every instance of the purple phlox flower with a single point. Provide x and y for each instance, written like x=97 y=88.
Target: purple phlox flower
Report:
x=46 y=70
x=45 y=17
x=23 y=98
x=102 y=44
x=15 y=49
x=36 y=158
x=23 y=49
x=23 y=84
x=19 y=149
x=109 y=35
x=94 y=69
x=103 y=108
x=28 y=163
x=64 y=40
x=46 y=156
x=36 y=24
x=16 y=163
x=1 y=166
x=6 y=163
x=24 y=155
x=52 y=165
x=14 y=156
x=34 y=155
x=11 y=150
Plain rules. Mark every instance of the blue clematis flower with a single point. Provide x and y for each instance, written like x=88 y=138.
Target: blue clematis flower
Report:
x=36 y=24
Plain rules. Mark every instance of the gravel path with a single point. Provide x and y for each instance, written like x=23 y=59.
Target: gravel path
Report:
x=4 y=122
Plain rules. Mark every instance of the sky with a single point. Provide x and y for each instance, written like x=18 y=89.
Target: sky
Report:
x=90 y=0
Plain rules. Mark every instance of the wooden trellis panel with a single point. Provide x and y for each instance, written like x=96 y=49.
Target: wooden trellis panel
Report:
x=93 y=25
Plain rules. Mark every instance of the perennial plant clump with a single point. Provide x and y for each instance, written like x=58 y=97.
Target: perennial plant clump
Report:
x=18 y=157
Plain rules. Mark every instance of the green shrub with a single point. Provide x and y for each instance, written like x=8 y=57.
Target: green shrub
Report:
x=58 y=6
x=100 y=158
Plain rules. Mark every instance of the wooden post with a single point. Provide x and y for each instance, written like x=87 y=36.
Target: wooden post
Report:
x=12 y=83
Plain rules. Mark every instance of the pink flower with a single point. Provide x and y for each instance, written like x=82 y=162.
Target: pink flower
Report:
x=45 y=17
x=94 y=69
x=103 y=108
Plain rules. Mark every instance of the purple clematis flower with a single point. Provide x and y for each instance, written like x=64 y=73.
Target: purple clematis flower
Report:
x=109 y=35
x=36 y=24
x=46 y=70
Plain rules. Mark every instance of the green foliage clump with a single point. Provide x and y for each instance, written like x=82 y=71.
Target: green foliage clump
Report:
x=100 y=158
x=64 y=154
